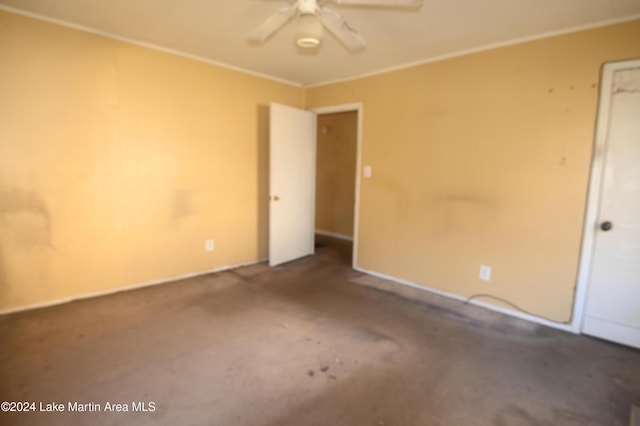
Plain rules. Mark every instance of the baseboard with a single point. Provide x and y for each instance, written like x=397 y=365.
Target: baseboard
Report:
x=334 y=235
x=126 y=288
x=520 y=315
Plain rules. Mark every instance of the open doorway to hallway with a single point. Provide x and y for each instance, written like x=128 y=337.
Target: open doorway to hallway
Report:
x=336 y=165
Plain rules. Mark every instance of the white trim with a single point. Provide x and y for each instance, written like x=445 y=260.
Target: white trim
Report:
x=145 y=44
x=327 y=82
x=334 y=235
x=595 y=190
x=517 y=314
x=359 y=108
x=126 y=288
x=314 y=165
x=484 y=48
x=338 y=108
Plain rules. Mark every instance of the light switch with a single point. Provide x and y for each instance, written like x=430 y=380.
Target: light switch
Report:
x=367 y=171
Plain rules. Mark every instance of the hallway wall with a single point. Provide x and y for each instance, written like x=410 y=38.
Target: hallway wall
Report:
x=337 y=140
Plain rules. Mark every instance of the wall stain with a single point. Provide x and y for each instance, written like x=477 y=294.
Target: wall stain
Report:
x=470 y=199
x=24 y=218
x=460 y=214
x=181 y=206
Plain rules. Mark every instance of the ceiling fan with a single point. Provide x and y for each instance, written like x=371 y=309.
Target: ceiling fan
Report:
x=312 y=15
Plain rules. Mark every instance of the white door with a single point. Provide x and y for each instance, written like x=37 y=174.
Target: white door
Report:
x=613 y=299
x=292 y=183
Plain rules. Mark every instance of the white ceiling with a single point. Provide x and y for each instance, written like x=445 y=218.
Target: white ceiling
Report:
x=216 y=30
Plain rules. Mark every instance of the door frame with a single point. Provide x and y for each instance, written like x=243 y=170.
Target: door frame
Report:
x=357 y=107
x=595 y=188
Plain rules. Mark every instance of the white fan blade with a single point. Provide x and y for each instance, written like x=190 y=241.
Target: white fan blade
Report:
x=410 y=3
x=272 y=24
x=339 y=27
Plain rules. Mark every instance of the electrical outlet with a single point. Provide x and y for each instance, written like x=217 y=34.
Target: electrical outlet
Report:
x=208 y=245
x=485 y=273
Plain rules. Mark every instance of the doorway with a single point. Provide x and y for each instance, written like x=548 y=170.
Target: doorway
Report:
x=336 y=154
x=337 y=178
x=336 y=148
x=292 y=180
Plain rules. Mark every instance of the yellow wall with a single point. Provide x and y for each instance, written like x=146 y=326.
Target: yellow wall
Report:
x=336 y=172
x=483 y=159
x=117 y=162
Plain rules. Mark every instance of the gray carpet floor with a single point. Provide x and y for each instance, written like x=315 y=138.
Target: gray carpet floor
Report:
x=303 y=344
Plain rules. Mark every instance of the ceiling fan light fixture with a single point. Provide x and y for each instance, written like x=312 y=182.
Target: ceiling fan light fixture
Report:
x=310 y=16
x=308 y=31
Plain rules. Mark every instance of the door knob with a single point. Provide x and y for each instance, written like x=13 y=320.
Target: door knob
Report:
x=605 y=226
x=275 y=198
